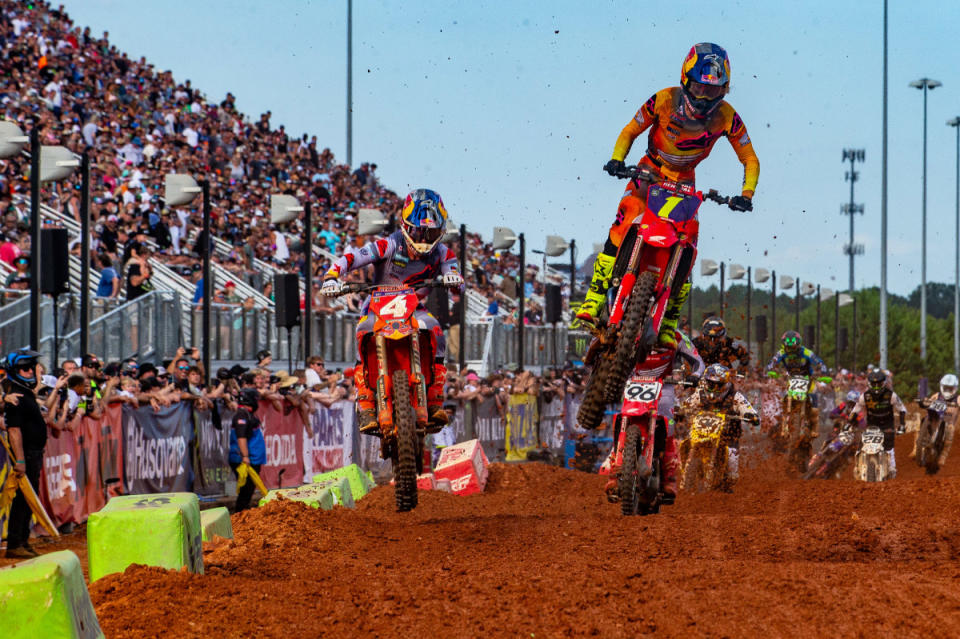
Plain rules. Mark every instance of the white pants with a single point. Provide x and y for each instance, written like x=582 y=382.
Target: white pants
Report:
x=733 y=464
x=893 y=463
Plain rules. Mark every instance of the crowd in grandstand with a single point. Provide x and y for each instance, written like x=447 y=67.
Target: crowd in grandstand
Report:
x=138 y=123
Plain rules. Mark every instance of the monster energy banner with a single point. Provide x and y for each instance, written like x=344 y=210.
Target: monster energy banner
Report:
x=212 y=470
x=155 y=448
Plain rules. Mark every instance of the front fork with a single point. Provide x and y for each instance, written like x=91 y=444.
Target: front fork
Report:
x=385 y=388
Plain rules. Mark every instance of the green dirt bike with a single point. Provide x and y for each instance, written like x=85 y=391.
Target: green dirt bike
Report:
x=792 y=434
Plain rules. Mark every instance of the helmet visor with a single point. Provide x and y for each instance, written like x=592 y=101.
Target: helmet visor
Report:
x=703 y=91
x=791 y=343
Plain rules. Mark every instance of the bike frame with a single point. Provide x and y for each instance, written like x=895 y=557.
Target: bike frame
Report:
x=667 y=230
x=396 y=342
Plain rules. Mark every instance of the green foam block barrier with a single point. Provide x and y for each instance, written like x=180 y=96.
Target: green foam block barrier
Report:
x=341 y=490
x=315 y=496
x=157 y=530
x=47 y=597
x=216 y=521
x=360 y=483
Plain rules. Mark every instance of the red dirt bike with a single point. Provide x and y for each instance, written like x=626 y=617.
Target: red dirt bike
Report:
x=654 y=258
x=392 y=356
x=640 y=434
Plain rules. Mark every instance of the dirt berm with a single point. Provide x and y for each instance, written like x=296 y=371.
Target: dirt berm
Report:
x=541 y=554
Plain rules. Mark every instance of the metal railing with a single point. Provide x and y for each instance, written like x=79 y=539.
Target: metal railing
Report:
x=494 y=344
x=148 y=327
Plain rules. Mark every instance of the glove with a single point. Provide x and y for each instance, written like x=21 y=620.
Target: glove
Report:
x=452 y=280
x=752 y=418
x=613 y=167
x=692 y=380
x=741 y=203
x=331 y=287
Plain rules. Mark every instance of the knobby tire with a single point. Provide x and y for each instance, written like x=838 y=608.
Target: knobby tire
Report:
x=405 y=473
x=629 y=484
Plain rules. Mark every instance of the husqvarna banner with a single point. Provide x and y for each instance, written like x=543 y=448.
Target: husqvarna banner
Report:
x=156 y=446
x=521 y=429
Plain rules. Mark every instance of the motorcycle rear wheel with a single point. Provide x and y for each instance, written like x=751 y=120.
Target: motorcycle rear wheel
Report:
x=590 y=414
x=405 y=468
x=871 y=469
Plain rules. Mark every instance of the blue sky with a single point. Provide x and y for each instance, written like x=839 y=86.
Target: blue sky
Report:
x=510 y=109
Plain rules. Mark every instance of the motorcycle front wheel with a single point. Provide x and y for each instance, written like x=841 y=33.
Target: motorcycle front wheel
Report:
x=630 y=484
x=405 y=464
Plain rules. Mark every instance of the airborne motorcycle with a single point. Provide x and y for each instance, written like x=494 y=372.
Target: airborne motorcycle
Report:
x=655 y=256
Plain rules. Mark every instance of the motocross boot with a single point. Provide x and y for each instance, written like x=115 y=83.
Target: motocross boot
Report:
x=670 y=464
x=671 y=315
x=596 y=297
x=438 y=416
x=947 y=443
x=366 y=408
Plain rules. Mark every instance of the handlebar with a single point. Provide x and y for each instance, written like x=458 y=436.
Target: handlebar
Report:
x=645 y=174
x=350 y=288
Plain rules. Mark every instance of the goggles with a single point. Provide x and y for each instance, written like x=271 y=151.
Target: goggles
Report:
x=705 y=91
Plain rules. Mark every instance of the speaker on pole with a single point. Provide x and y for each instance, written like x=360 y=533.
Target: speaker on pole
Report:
x=761 y=326
x=54 y=269
x=286 y=288
x=554 y=304
x=438 y=303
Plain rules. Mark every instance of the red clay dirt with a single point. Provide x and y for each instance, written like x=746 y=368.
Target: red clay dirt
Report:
x=541 y=554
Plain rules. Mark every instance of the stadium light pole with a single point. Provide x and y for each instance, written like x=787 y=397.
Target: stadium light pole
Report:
x=178 y=190
x=503 y=239
x=350 y=83
x=955 y=123
x=47 y=164
x=883 y=205
x=851 y=209
x=286 y=208
x=924 y=84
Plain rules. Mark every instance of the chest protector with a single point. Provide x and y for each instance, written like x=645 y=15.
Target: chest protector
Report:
x=879 y=407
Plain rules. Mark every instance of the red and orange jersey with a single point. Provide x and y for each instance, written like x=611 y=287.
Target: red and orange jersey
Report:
x=679 y=144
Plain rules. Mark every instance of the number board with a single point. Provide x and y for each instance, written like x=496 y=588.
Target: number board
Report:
x=646 y=390
x=939 y=407
x=873 y=436
x=672 y=205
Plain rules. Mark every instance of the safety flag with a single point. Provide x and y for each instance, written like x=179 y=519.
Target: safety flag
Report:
x=245 y=471
x=23 y=483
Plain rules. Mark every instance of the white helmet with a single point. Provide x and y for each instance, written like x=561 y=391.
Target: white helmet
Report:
x=948 y=386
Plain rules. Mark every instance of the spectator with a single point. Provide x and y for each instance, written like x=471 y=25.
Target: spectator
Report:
x=22 y=264
x=27 y=431
x=138 y=272
x=315 y=372
x=109 y=285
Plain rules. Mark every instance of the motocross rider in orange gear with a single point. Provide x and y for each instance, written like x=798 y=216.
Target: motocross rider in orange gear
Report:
x=684 y=122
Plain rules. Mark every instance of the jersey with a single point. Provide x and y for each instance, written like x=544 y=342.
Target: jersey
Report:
x=880 y=406
x=724 y=351
x=802 y=362
x=734 y=403
x=677 y=144
x=394 y=265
